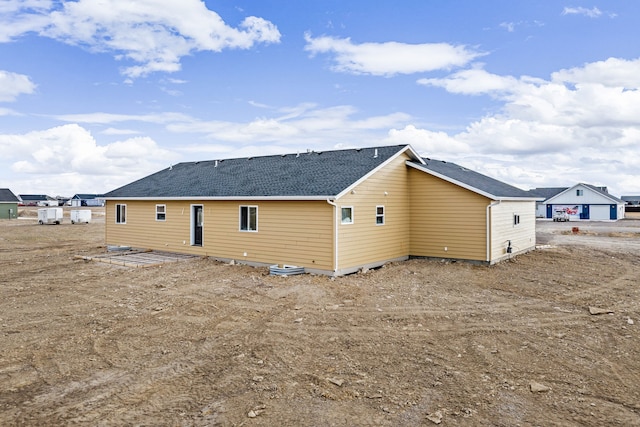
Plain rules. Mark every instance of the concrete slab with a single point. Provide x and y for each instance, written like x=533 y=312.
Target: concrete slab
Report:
x=138 y=258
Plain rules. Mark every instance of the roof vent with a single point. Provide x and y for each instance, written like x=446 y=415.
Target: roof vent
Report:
x=215 y=164
x=170 y=167
x=375 y=153
x=298 y=154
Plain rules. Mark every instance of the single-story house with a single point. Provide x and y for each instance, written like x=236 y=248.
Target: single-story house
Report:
x=38 y=200
x=582 y=201
x=87 y=200
x=632 y=203
x=631 y=200
x=331 y=212
x=8 y=204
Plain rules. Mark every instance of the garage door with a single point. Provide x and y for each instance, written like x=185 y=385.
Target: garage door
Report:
x=599 y=212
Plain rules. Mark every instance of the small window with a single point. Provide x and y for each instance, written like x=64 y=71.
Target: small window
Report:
x=248 y=218
x=379 y=215
x=347 y=215
x=579 y=192
x=516 y=219
x=161 y=212
x=121 y=214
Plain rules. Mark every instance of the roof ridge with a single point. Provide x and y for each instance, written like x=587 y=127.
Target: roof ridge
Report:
x=298 y=153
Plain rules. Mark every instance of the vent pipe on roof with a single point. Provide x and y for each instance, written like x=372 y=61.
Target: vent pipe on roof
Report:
x=375 y=153
x=170 y=167
x=298 y=154
x=215 y=164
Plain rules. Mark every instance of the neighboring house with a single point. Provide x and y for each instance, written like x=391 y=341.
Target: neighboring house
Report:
x=38 y=200
x=632 y=203
x=8 y=204
x=631 y=200
x=582 y=201
x=87 y=200
x=331 y=212
x=544 y=194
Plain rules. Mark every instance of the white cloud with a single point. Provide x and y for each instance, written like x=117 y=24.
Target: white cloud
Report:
x=13 y=85
x=153 y=34
x=613 y=72
x=603 y=93
x=106 y=118
x=594 y=12
x=436 y=144
x=581 y=124
x=390 y=58
x=116 y=131
x=509 y=26
x=473 y=82
x=303 y=124
x=38 y=159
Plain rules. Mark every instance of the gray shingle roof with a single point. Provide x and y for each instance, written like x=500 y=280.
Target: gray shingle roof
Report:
x=86 y=196
x=547 y=192
x=7 y=195
x=293 y=175
x=551 y=192
x=603 y=191
x=475 y=180
x=34 y=197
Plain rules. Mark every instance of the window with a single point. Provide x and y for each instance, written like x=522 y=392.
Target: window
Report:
x=516 y=219
x=248 y=218
x=347 y=215
x=161 y=212
x=121 y=214
x=579 y=192
x=379 y=215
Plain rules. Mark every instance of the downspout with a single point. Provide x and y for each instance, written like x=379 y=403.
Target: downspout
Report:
x=492 y=204
x=335 y=229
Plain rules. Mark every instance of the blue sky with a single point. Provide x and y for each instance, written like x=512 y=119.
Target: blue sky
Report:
x=97 y=93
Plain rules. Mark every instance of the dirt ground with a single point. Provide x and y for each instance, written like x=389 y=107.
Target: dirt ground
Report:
x=422 y=342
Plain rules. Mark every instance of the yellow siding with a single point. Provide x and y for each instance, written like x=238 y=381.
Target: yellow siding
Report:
x=365 y=242
x=503 y=229
x=424 y=216
x=295 y=233
x=444 y=215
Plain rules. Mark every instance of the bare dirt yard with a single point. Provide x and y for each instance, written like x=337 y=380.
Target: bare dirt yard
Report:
x=548 y=338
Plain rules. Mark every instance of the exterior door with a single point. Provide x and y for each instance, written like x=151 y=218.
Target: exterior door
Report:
x=197 y=225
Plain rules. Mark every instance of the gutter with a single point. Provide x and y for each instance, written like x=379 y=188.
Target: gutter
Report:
x=489 y=206
x=335 y=228
x=207 y=198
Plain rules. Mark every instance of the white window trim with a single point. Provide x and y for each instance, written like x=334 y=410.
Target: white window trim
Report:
x=163 y=213
x=353 y=219
x=118 y=206
x=382 y=215
x=248 y=230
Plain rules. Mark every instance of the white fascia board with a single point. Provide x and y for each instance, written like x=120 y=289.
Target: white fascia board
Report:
x=562 y=192
x=407 y=149
x=242 y=198
x=585 y=187
x=473 y=189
